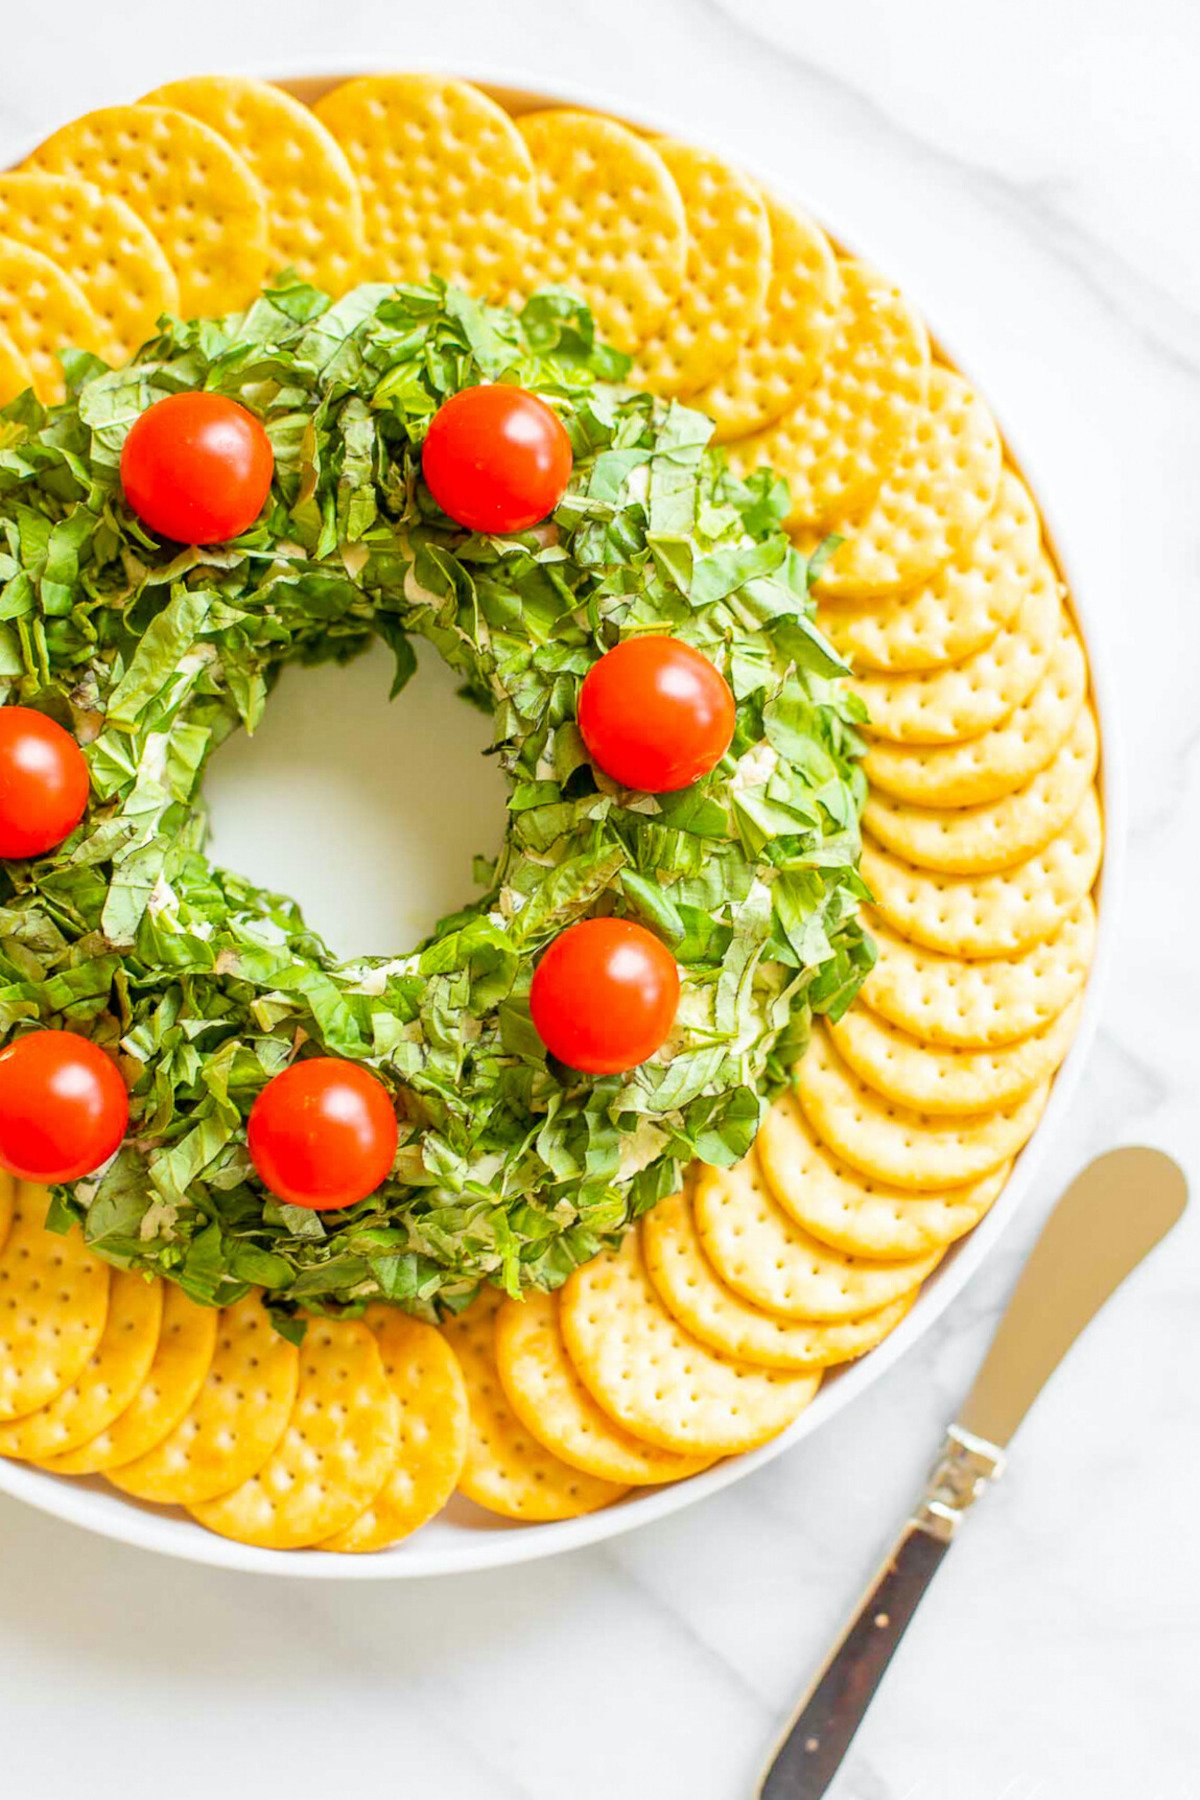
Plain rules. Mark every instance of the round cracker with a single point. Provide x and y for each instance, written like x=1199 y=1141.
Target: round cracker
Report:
x=434 y=1431
x=690 y=1287
x=53 y=1304
x=314 y=207
x=235 y=1422
x=727 y=276
x=113 y=258
x=961 y=609
x=334 y=1456
x=186 y=184
x=8 y=1205
x=784 y=354
x=985 y=768
x=105 y=1386
x=550 y=1400
x=937 y=493
x=981 y=840
x=837 y=442
x=763 y=1252
x=933 y=1078
x=182 y=1358
x=447 y=183
x=990 y=915
x=939 y=706
x=43 y=311
x=947 y=1000
x=508 y=1470
x=760 y=1235
x=657 y=1380
x=15 y=372
x=907 y=1149
x=610 y=222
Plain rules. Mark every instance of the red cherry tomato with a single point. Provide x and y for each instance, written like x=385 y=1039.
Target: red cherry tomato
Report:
x=197 y=468
x=63 y=1106
x=655 y=714
x=496 y=458
x=604 y=995
x=323 y=1133
x=43 y=782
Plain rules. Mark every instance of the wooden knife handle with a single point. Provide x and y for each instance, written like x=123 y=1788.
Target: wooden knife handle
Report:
x=811 y=1750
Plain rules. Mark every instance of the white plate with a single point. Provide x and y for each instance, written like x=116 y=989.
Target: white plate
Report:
x=269 y=800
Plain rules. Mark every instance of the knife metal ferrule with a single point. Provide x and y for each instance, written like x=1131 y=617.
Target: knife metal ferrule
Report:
x=967 y=1465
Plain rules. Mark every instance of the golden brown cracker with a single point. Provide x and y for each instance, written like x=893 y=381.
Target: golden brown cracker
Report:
x=186 y=184
x=314 y=207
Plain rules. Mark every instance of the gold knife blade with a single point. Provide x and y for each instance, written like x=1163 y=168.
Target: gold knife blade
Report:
x=1112 y=1214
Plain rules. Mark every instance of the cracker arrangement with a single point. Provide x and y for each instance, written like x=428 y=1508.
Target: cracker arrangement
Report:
x=709 y=1329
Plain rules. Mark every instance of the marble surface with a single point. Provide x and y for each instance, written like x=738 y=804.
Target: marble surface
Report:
x=1031 y=172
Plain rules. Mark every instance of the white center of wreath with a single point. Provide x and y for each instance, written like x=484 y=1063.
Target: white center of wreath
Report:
x=366 y=813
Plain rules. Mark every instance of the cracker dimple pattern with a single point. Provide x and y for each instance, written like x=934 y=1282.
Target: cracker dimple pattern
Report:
x=113 y=258
x=836 y=444
x=187 y=186
x=808 y=1196
x=935 y=497
x=962 y=700
x=982 y=769
x=43 y=311
x=182 y=1356
x=981 y=840
x=507 y=1470
x=447 y=183
x=610 y=222
x=990 y=915
x=783 y=355
x=105 y=1386
x=334 y=1456
x=314 y=208
x=936 y=1078
x=946 y=1000
x=551 y=1401
x=659 y=1381
x=802 y=1278
x=690 y=1287
x=238 y=1417
x=433 y=1432
x=727 y=275
x=961 y=609
x=53 y=1304
x=892 y=1143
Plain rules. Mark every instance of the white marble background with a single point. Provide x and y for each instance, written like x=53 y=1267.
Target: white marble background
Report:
x=1032 y=169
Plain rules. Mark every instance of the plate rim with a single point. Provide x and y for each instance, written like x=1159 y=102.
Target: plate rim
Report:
x=494 y=1543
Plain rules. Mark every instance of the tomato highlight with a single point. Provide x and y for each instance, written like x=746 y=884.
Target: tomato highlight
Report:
x=656 y=714
x=63 y=1106
x=496 y=458
x=197 y=468
x=323 y=1133
x=43 y=783
x=604 y=996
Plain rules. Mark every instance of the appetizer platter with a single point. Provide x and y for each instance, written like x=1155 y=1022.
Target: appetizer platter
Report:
x=725 y=1072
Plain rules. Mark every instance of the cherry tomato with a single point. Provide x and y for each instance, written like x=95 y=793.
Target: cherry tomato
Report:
x=43 y=782
x=197 y=468
x=604 y=995
x=323 y=1133
x=496 y=458
x=63 y=1106
x=655 y=714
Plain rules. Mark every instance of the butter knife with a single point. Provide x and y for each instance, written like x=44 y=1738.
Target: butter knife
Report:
x=1110 y=1217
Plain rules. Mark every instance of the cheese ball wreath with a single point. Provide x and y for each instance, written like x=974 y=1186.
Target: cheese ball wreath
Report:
x=507 y=1162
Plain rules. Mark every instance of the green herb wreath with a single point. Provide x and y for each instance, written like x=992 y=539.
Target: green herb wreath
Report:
x=205 y=986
